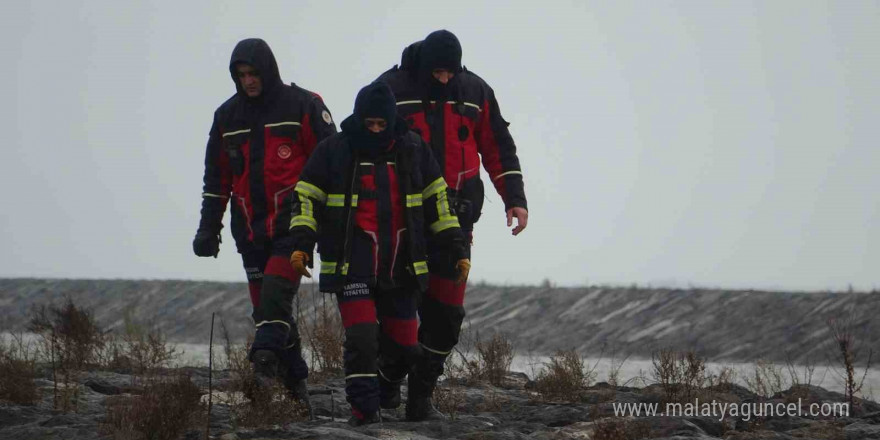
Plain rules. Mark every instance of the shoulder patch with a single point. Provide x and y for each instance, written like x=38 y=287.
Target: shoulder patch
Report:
x=326 y=116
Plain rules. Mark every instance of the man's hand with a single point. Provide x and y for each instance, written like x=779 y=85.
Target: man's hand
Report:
x=522 y=219
x=464 y=268
x=298 y=260
x=206 y=244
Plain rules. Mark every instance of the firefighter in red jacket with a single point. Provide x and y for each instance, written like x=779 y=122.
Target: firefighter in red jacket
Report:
x=371 y=196
x=259 y=142
x=456 y=113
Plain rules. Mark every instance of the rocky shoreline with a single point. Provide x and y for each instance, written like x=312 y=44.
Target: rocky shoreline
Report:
x=482 y=411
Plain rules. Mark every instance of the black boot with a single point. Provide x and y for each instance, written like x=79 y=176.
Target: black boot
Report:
x=389 y=393
x=298 y=390
x=265 y=368
x=419 y=406
x=367 y=419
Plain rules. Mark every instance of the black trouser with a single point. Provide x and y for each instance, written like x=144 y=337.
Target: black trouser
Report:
x=380 y=340
x=276 y=329
x=441 y=312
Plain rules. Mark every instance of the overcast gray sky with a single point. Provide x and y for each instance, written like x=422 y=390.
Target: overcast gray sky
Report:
x=730 y=144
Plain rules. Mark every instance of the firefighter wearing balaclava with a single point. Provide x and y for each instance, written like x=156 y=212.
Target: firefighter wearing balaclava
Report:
x=456 y=113
x=259 y=142
x=369 y=196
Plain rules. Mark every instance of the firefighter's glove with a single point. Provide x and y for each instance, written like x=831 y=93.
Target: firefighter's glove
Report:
x=463 y=267
x=298 y=260
x=206 y=244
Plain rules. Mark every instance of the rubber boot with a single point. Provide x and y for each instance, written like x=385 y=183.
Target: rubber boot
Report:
x=389 y=393
x=419 y=405
x=265 y=364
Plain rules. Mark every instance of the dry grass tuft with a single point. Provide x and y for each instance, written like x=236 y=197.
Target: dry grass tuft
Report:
x=615 y=428
x=165 y=410
x=565 y=377
x=18 y=370
x=322 y=333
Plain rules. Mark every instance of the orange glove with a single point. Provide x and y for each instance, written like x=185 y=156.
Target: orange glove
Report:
x=298 y=260
x=464 y=268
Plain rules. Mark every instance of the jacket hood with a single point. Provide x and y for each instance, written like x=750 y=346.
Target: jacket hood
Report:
x=256 y=52
x=409 y=60
x=440 y=50
x=376 y=100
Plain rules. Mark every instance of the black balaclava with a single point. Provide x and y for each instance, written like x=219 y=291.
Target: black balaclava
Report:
x=373 y=101
x=256 y=52
x=439 y=50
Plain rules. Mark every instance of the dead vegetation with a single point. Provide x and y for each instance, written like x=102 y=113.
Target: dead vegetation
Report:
x=565 y=377
x=166 y=409
x=321 y=331
x=683 y=376
x=18 y=369
x=617 y=428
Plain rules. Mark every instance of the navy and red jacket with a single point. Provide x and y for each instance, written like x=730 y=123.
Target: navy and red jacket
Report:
x=461 y=131
x=375 y=217
x=256 y=150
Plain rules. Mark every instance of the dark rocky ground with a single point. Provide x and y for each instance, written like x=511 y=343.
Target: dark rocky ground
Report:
x=484 y=412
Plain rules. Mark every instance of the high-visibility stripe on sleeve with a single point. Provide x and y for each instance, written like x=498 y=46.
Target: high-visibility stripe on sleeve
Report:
x=338 y=200
x=218 y=196
x=302 y=220
x=328 y=267
x=233 y=133
x=505 y=174
x=445 y=222
x=278 y=124
x=421 y=267
x=434 y=188
x=310 y=190
x=413 y=200
x=345 y=269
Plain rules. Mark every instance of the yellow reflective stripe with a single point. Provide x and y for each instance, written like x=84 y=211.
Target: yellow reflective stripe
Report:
x=504 y=174
x=307 y=188
x=233 y=133
x=421 y=267
x=278 y=124
x=302 y=220
x=328 y=267
x=345 y=269
x=434 y=188
x=434 y=351
x=214 y=195
x=413 y=200
x=338 y=200
x=443 y=205
x=445 y=222
x=352 y=376
x=307 y=208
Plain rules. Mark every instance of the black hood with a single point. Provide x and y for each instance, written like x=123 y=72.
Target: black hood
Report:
x=256 y=52
x=409 y=60
x=440 y=50
x=374 y=101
